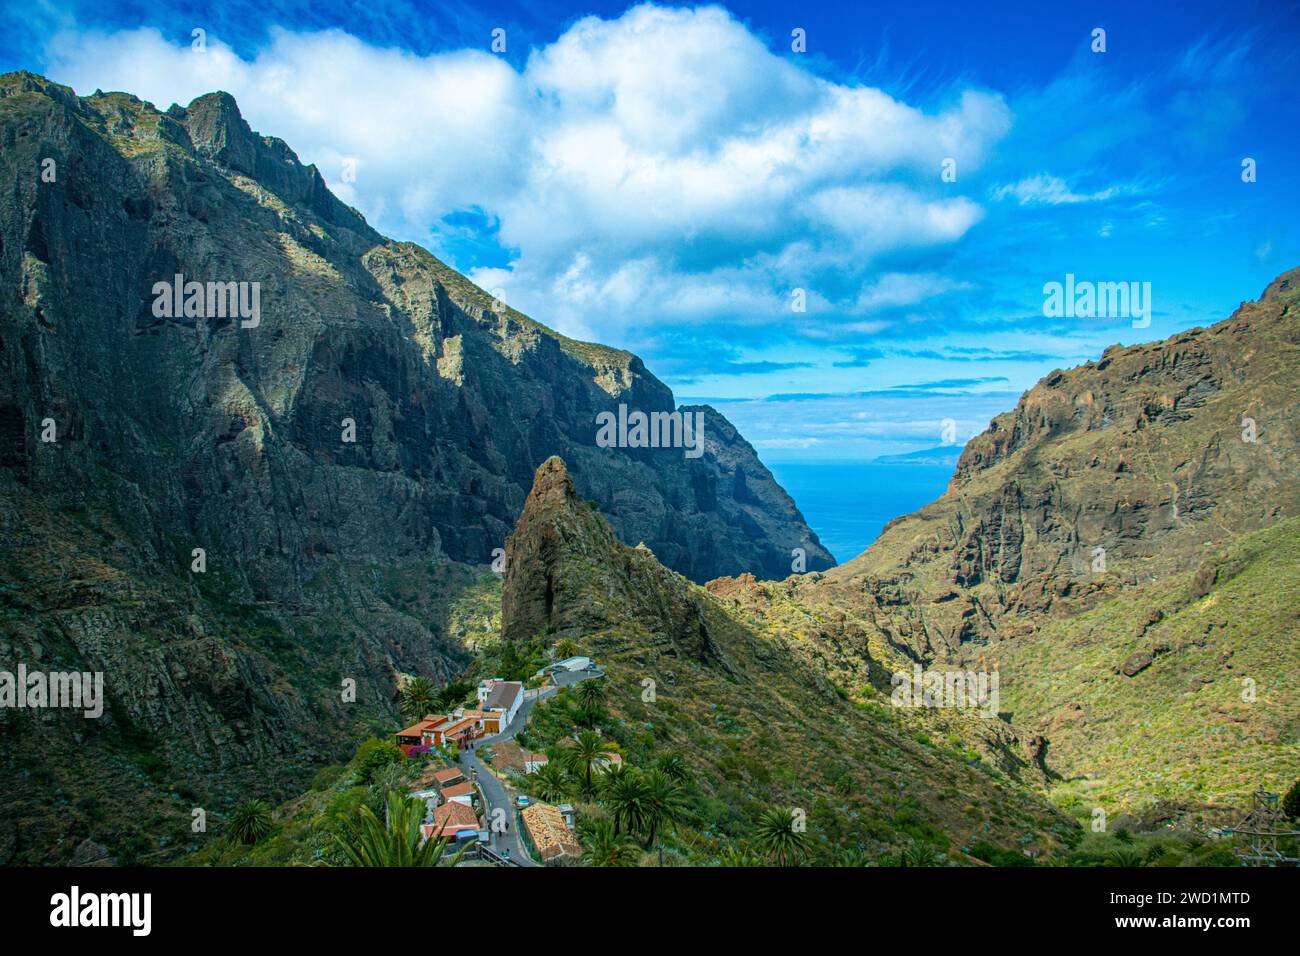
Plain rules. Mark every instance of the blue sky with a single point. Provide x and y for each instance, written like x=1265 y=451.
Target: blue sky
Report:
x=666 y=178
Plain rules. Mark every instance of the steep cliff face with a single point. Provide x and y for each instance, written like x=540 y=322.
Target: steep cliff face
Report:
x=1121 y=548
x=1139 y=465
x=341 y=455
x=379 y=407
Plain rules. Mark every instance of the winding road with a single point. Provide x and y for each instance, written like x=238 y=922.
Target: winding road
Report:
x=494 y=792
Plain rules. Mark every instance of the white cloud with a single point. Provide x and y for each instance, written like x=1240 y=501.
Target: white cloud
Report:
x=1051 y=191
x=663 y=166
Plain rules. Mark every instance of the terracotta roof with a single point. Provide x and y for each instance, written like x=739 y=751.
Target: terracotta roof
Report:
x=459 y=790
x=548 y=831
x=415 y=730
x=451 y=773
x=454 y=815
x=534 y=758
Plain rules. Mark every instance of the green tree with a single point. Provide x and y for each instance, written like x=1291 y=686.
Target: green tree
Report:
x=373 y=756
x=1126 y=856
x=453 y=695
x=590 y=694
x=566 y=649
x=393 y=776
x=913 y=854
x=777 y=837
x=551 y=783
x=623 y=792
x=854 y=857
x=665 y=803
x=1291 y=802
x=367 y=840
x=418 y=699
x=603 y=845
x=250 y=822
x=589 y=750
x=674 y=765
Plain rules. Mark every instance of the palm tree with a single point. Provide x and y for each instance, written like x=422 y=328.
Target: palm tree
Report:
x=777 y=836
x=591 y=747
x=624 y=792
x=417 y=698
x=590 y=693
x=913 y=854
x=250 y=822
x=551 y=783
x=566 y=649
x=367 y=840
x=855 y=856
x=665 y=803
x=1126 y=856
x=673 y=764
x=603 y=845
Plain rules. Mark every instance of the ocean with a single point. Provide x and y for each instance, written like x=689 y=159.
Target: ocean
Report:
x=849 y=503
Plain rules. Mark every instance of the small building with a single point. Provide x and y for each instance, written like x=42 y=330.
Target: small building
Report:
x=451 y=819
x=572 y=664
x=533 y=762
x=503 y=697
x=604 y=761
x=570 y=816
x=448 y=777
x=459 y=793
x=456 y=731
x=550 y=835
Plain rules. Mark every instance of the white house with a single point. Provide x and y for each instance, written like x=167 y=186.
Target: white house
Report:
x=534 y=762
x=572 y=664
x=503 y=696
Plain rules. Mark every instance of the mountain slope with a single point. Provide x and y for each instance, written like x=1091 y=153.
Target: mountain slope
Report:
x=752 y=707
x=323 y=560
x=1139 y=453
x=1120 y=549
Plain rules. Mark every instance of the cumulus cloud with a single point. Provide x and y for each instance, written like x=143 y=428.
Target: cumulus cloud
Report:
x=663 y=166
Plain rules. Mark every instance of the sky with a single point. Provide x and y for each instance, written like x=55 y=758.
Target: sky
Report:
x=833 y=222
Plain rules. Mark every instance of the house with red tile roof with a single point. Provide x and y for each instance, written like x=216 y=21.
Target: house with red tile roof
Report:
x=420 y=734
x=549 y=832
x=450 y=819
x=460 y=793
x=448 y=777
x=438 y=731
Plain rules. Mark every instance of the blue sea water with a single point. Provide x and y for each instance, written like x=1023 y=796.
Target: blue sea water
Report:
x=849 y=503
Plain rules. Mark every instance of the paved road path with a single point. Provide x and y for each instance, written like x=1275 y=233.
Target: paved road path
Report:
x=494 y=792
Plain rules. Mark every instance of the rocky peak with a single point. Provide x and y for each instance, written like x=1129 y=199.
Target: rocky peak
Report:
x=567 y=574
x=218 y=130
x=552 y=486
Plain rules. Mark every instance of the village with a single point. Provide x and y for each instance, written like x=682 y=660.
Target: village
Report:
x=471 y=803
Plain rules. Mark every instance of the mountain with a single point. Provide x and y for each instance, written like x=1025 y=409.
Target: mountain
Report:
x=750 y=704
x=233 y=498
x=1122 y=549
x=455 y=399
